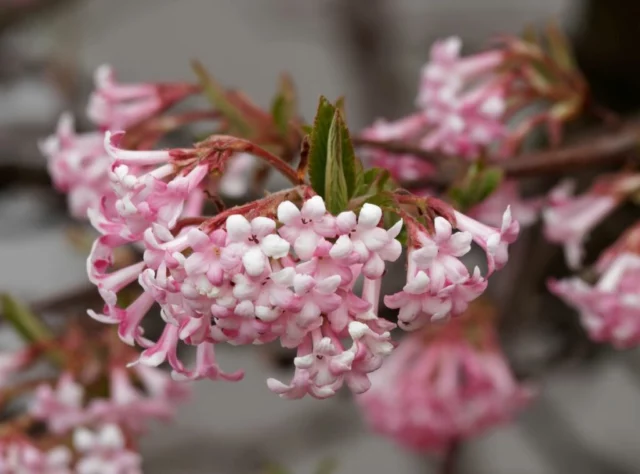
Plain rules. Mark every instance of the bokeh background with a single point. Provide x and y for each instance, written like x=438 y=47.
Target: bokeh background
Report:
x=587 y=418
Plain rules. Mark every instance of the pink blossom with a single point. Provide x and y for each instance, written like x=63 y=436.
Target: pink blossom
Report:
x=610 y=309
x=61 y=408
x=429 y=394
x=130 y=407
x=103 y=451
x=254 y=243
x=116 y=106
x=438 y=283
x=305 y=228
x=462 y=99
x=21 y=457
x=78 y=165
x=243 y=283
x=493 y=241
x=143 y=197
x=568 y=220
x=362 y=241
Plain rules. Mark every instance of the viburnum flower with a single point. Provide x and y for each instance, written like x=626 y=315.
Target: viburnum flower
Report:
x=78 y=165
x=439 y=285
x=67 y=406
x=442 y=386
x=462 y=99
x=104 y=451
x=610 y=309
x=115 y=106
x=147 y=189
x=60 y=407
x=257 y=280
x=20 y=456
x=568 y=220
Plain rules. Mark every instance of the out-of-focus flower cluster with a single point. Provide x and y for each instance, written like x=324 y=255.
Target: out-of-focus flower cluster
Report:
x=444 y=384
x=89 y=418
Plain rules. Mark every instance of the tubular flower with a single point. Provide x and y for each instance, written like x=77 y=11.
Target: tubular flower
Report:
x=115 y=106
x=610 y=309
x=438 y=388
x=568 y=220
x=439 y=285
x=78 y=165
x=64 y=407
x=462 y=99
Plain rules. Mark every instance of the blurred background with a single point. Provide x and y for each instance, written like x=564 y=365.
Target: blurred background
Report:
x=371 y=51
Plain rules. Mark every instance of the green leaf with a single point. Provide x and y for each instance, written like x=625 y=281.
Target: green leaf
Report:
x=348 y=157
x=27 y=324
x=284 y=106
x=307 y=129
x=476 y=187
x=216 y=94
x=318 y=139
x=336 y=193
x=559 y=48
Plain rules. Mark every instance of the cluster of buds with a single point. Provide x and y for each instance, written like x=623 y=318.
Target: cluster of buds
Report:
x=280 y=268
x=444 y=384
x=88 y=419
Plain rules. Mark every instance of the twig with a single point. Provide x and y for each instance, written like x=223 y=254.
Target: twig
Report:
x=605 y=149
x=450 y=461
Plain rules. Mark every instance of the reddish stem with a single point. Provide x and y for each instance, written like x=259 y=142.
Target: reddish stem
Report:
x=227 y=143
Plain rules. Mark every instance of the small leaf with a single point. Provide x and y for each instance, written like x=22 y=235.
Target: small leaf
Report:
x=476 y=187
x=307 y=129
x=27 y=324
x=318 y=139
x=218 y=98
x=348 y=158
x=284 y=106
x=559 y=48
x=336 y=193
x=340 y=103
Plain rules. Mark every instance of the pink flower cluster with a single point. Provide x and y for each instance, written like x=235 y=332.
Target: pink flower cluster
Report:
x=462 y=99
x=18 y=456
x=568 y=220
x=255 y=281
x=462 y=102
x=610 y=309
x=78 y=166
x=102 y=451
x=434 y=390
x=438 y=282
x=65 y=407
